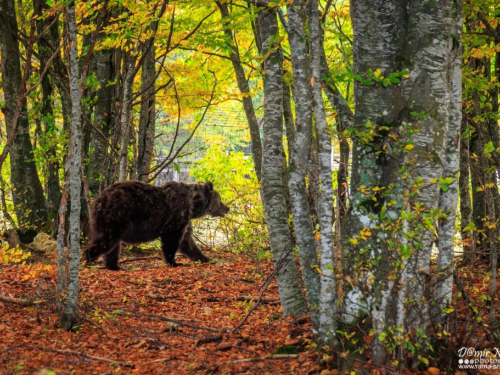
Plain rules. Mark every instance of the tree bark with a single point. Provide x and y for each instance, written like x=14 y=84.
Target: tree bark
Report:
x=328 y=296
x=27 y=192
x=48 y=120
x=147 y=116
x=468 y=236
x=125 y=117
x=100 y=136
x=272 y=188
x=299 y=158
x=74 y=164
x=449 y=198
x=396 y=153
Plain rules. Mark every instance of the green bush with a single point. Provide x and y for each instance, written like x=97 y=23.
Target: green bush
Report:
x=244 y=227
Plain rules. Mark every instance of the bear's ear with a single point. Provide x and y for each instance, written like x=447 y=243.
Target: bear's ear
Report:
x=209 y=186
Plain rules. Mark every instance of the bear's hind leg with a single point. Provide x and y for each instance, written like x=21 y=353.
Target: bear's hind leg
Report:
x=169 y=244
x=111 y=258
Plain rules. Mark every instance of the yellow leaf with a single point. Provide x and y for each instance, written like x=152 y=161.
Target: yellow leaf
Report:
x=406 y=76
x=377 y=73
x=408 y=147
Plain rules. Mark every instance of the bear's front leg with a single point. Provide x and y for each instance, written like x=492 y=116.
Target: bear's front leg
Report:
x=111 y=258
x=169 y=244
x=97 y=248
x=189 y=248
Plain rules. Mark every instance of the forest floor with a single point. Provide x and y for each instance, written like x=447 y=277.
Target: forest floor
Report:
x=151 y=319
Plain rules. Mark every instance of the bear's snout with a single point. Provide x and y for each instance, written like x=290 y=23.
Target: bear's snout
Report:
x=222 y=211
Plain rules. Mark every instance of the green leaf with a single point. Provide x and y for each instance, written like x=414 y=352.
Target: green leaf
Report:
x=488 y=149
x=423 y=360
x=177 y=168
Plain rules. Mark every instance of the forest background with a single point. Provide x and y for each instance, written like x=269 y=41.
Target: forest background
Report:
x=375 y=151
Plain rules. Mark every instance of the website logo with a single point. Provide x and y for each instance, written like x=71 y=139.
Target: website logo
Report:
x=472 y=359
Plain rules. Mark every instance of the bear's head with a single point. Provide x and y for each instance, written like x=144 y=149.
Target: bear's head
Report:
x=207 y=201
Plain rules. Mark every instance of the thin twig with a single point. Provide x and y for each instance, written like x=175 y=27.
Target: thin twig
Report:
x=276 y=356
x=222 y=347
x=74 y=352
x=281 y=262
x=20 y=301
x=136 y=313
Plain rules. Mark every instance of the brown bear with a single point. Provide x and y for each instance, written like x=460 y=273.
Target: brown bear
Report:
x=135 y=212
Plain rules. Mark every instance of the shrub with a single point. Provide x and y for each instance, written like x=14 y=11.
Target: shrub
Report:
x=233 y=176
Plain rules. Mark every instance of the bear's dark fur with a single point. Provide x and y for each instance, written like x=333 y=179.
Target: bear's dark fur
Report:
x=135 y=212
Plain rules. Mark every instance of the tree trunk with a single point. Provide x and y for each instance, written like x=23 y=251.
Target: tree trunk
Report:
x=272 y=188
x=449 y=198
x=48 y=120
x=468 y=236
x=147 y=117
x=299 y=158
x=245 y=92
x=27 y=192
x=97 y=171
x=393 y=164
x=328 y=297
x=74 y=164
x=125 y=117
x=345 y=121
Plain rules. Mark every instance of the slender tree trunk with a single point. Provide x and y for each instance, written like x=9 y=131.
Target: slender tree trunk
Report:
x=465 y=198
x=245 y=92
x=345 y=120
x=119 y=65
x=48 y=119
x=272 y=188
x=27 y=192
x=449 y=198
x=125 y=117
x=328 y=324
x=290 y=139
x=299 y=158
x=147 y=117
x=288 y=117
x=74 y=161
x=102 y=121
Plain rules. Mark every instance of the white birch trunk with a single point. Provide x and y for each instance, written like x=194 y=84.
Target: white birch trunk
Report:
x=428 y=91
x=272 y=188
x=390 y=36
x=325 y=200
x=74 y=168
x=449 y=199
x=299 y=158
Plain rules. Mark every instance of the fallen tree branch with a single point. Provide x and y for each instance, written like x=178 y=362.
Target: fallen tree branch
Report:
x=264 y=286
x=243 y=298
x=20 y=301
x=74 y=352
x=138 y=314
x=222 y=347
x=258 y=359
x=208 y=339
